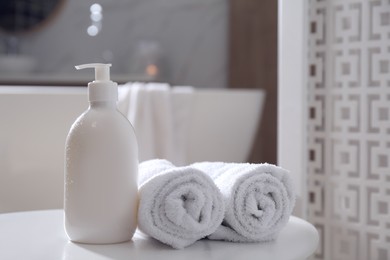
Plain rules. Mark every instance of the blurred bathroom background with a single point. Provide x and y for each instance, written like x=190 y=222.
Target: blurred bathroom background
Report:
x=176 y=35
x=200 y=43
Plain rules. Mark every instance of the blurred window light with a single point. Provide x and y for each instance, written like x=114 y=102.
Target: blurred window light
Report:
x=96 y=8
x=92 y=30
x=96 y=17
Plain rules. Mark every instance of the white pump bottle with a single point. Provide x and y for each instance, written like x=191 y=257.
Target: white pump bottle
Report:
x=101 y=168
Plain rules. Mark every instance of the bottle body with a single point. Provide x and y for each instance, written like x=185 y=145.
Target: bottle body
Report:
x=101 y=168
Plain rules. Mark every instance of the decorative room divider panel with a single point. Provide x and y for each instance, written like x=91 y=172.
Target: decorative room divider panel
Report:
x=349 y=127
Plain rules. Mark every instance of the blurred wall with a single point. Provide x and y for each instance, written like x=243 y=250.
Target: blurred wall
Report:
x=191 y=35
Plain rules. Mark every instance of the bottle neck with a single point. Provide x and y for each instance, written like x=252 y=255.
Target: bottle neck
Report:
x=102 y=91
x=109 y=104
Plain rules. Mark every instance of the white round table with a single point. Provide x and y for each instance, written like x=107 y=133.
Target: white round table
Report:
x=40 y=235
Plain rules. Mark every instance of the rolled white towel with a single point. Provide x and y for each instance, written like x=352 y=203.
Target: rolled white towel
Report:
x=178 y=205
x=259 y=200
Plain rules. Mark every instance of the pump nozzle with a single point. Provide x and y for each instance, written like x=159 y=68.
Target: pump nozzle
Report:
x=102 y=88
x=102 y=71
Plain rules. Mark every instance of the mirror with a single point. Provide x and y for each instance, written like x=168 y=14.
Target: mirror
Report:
x=18 y=16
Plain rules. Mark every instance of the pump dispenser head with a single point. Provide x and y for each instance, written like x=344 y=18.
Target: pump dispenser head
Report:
x=102 y=71
x=102 y=88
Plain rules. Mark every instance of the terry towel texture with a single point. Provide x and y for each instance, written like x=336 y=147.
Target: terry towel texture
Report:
x=178 y=205
x=259 y=200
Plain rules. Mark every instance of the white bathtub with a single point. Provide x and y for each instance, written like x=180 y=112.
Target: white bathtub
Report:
x=36 y=120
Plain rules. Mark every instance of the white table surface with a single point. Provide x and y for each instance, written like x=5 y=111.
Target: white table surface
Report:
x=40 y=235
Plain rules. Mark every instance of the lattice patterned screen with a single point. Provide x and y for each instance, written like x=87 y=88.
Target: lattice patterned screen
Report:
x=349 y=127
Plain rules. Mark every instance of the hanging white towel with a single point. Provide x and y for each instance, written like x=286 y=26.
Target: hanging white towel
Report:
x=178 y=205
x=160 y=116
x=182 y=103
x=259 y=200
x=148 y=108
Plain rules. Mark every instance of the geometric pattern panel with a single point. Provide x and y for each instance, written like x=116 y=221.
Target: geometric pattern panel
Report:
x=348 y=124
